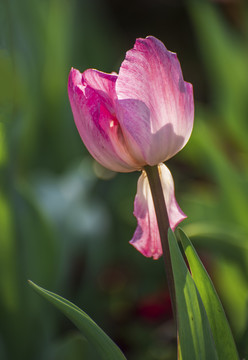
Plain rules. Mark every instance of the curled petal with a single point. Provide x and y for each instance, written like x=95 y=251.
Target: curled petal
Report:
x=146 y=238
x=91 y=97
x=155 y=105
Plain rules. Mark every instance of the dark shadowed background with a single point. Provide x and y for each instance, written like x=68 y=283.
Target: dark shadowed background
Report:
x=65 y=222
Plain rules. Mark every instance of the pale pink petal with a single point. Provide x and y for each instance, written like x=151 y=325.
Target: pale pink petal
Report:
x=175 y=214
x=155 y=105
x=103 y=82
x=91 y=97
x=146 y=238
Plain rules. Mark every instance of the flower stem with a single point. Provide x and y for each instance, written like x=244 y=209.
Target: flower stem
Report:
x=163 y=226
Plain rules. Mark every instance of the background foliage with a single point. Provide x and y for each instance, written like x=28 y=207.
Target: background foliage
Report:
x=65 y=222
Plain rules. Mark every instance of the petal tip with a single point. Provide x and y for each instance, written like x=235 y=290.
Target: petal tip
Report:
x=179 y=220
x=144 y=250
x=74 y=79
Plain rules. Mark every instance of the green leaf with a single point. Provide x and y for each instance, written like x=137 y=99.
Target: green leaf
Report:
x=195 y=337
x=9 y=299
x=222 y=334
x=105 y=347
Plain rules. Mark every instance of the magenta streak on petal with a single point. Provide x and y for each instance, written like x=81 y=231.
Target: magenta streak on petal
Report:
x=94 y=115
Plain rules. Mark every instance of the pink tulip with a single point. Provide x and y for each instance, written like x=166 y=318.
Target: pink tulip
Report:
x=141 y=116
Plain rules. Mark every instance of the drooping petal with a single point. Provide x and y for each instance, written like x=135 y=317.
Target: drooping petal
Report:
x=91 y=97
x=175 y=214
x=146 y=238
x=155 y=105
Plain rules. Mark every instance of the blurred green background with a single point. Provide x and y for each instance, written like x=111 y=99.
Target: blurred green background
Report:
x=65 y=222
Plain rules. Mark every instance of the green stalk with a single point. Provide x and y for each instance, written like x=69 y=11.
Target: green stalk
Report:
x=163 y=226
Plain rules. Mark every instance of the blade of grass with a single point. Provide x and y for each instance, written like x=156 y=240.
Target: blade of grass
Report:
x=195 y=337
x=222 y=334
x=105 y=347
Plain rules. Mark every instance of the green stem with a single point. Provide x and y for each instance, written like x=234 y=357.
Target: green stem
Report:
x=163 y=226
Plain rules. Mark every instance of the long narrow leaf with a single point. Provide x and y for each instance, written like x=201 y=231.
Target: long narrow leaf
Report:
x=105 y=347
x=222 y=334
x=195 y=337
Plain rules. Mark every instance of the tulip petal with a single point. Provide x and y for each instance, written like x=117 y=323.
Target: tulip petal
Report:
x=155 y=105
x=146 y=238
x=91 y=96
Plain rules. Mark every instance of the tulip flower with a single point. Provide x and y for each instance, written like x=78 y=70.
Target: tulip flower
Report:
x=140 y=117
